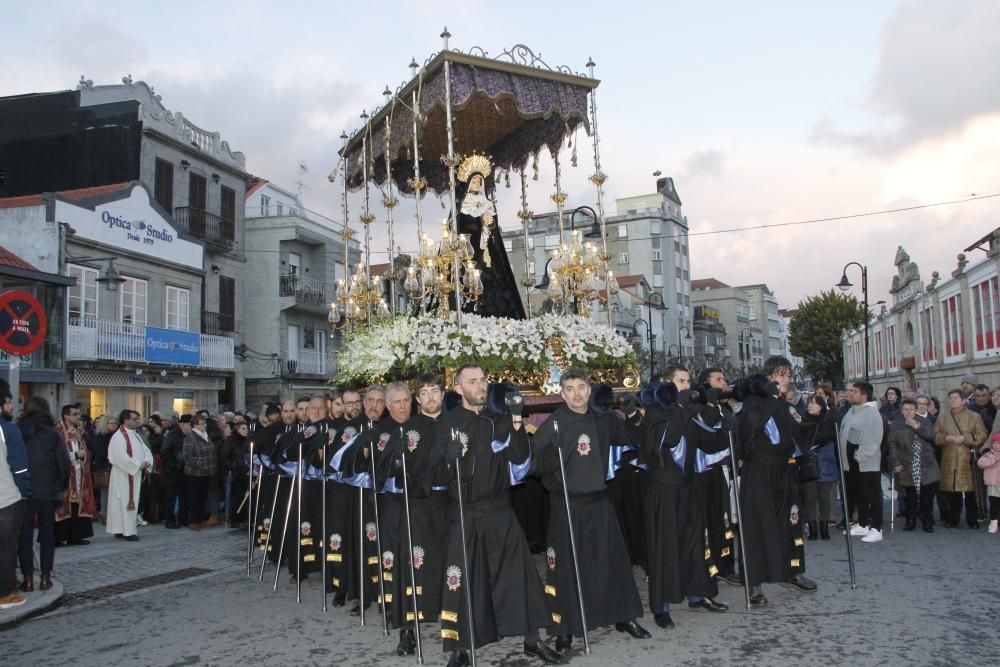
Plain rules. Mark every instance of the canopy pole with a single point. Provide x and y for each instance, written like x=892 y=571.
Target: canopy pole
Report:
x=389 y=202
x=559 y=197
x=598 y=179
x=525 y=215
x=451 y=160
x=417 y=184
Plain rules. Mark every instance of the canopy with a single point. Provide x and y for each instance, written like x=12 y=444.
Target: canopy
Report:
x=508 y=107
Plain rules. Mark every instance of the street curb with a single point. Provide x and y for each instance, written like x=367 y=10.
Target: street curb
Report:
x=38 y=603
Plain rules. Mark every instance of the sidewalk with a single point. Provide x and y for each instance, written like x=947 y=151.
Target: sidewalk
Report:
x=84 y=573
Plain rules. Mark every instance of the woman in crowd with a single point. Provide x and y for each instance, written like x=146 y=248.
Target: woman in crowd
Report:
x=818 y=436
x=199 y=468
x=890 y=403
x=104 y=428
x=232 y=472
x=49 y=465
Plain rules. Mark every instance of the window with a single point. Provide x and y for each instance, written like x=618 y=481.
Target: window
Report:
x=891 y=341
x=552 y=241
x=133 y=302
x=623 y=258
x=227 y=205
x=654 y=227
x=986 y=315
x=954 y=340
x=178 y=309
x=622 y=231
x=677 y=247
x=163 y=185
x=657 y=280
x=82 y=297
x=657 y=255
x=927 y=333
x=531 y=243
x=531 y=268
x=265 y=205
x=508 y=245
x=281 y=209
x=677 y=272
x=141 y=402
x=294 y=263
x=227 y=303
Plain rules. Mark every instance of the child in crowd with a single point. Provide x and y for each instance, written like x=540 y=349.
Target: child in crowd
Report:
x=990 y=463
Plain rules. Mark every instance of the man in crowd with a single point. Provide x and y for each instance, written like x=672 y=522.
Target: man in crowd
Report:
x=506 y=591
x=375 y=403
x=773 y=530
x=959 y=432
x=129 y=458
x=584 y=440
x=861 y=456
x=980 y=404
x=15 y=487
x=75 y=517
x=352 y=404
x=967 y=385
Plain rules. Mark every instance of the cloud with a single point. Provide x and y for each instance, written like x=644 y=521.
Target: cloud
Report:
x=708 y=162
x=936 y=73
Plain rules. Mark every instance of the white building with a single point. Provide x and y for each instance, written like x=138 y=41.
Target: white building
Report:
x=933 y=334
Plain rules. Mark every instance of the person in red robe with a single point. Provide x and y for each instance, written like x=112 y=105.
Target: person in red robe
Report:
x=75 y=518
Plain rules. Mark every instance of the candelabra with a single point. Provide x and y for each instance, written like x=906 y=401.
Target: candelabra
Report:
x=361 y=302
x=435 y=278
x=576 y=268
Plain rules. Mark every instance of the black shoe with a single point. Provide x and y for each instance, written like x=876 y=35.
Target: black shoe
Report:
x=929 y=528
x=841 y=526
x=79 y=543
x=132 y=538
x=733 y=578
x=708 y=604
x=824 y=530
x=356 y=609
x=564 y=642
x=634 y=629
x=800 y=583
x=119 y=536
x=813 y=530
x=949 y=524
x=974 y=525
x=909 y=525
x=339 y=600
x=664 y=621
x=459 y=658
x=171 y=525
x=542 y=651
x=757 y=596
x=407 y=642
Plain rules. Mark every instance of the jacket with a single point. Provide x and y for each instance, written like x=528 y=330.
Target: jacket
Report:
x=199 y=456
x=956 y=460
x=901 y=451
x=48 y=460
x=862 y=426
x=818 y=435
x=15 y=478
x=990 y=465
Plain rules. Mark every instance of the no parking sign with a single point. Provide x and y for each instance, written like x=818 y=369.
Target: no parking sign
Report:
x=23 y=324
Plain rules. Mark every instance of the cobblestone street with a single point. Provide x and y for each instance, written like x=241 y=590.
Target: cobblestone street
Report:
x=920 y=601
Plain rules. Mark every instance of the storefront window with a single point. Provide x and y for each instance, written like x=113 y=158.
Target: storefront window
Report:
x=184 y=402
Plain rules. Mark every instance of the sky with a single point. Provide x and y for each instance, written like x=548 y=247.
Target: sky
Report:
x=763 y=113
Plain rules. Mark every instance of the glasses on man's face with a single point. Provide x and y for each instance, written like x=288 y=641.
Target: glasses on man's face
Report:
x=358 y=402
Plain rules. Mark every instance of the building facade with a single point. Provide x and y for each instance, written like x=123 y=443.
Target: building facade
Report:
x=744 y=337
x=933 y=334
x=98 y=135
x=764 y=315
x=296 y=256
x=133 y=312
x=647 y=237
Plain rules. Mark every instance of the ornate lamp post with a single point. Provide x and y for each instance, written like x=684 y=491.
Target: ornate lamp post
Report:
x=845 y=285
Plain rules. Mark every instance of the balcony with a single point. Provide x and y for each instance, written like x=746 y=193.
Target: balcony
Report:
x=310 y=363
x=217 y=324
x=103 y=340
x=214 y=230
x=305 y=290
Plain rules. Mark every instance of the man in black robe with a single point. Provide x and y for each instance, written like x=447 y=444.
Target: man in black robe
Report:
x=772 y=527
x=585 y=439
x=506 y=591
x=277 y=483
x=680 y=435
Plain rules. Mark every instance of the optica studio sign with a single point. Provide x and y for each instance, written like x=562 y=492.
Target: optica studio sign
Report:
x=137 y=231
x=166 y=346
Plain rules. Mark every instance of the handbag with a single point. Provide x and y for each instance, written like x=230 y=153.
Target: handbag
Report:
x=102 y=479
x=807 y=467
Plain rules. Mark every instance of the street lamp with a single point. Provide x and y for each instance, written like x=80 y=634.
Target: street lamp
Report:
x=595 y=227
x=649 y=313
x=649 y=333
x=845 y=285
x=110 y=277
x=681 y=339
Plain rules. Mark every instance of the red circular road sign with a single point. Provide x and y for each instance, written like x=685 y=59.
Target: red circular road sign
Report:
x=22 y=323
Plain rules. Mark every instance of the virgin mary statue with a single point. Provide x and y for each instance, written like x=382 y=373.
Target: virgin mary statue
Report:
x=477 y=217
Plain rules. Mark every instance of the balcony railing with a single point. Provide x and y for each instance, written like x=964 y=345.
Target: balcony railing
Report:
x=94 y=340
x=310 y=363
x=302 y=288
x=208 y=227
x=217 y=324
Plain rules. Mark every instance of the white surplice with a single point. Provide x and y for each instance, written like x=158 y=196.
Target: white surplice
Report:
x=119 y=519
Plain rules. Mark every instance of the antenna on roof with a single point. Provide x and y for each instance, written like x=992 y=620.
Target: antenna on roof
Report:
x=299 y=183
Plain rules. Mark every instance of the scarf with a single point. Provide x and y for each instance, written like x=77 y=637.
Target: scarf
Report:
x=131 y=479
x=915 y=463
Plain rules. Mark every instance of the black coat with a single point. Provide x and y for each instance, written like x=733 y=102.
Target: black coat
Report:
x=48 y=460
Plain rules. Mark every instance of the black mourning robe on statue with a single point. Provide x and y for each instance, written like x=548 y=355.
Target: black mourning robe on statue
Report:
x=679 y=555
x=609 y=591
x=500 y=296
x=506 y=590
x=768 y=491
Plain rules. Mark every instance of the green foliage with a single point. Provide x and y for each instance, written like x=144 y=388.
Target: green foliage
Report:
x=815 y=333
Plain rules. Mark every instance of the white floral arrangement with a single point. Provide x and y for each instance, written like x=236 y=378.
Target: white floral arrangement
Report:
x=406 y=345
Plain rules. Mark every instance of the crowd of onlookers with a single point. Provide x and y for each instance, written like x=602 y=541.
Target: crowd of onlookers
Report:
x=934 y=453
